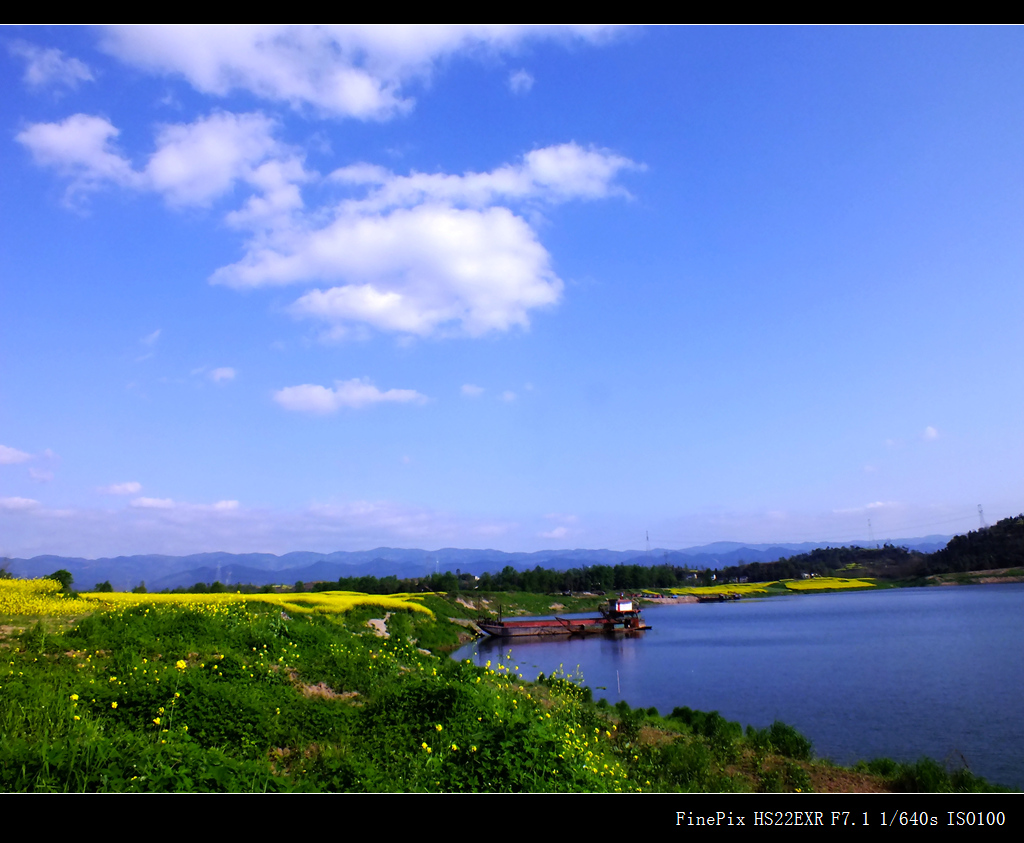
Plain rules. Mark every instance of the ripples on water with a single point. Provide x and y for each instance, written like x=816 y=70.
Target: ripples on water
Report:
x=902 y=672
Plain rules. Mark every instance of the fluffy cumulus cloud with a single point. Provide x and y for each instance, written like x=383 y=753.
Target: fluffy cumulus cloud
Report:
x=419 y=271
x=82 y=148
x=471 y=390
x=426 y=254
x=192 y=164
x=354 y=394
x=9 y=456
x=417 y=254
x=340 y=71
x=49 y=67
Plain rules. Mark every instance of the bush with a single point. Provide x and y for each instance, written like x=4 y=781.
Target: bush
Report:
x=789 y=742
x=708 y=724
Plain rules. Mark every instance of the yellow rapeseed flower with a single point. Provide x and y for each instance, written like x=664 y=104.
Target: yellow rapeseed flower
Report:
x=74 y=697
x=439 y=727
x=180 y=664
x=113 y=705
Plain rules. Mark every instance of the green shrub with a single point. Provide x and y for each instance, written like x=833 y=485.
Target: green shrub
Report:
x=789 y=742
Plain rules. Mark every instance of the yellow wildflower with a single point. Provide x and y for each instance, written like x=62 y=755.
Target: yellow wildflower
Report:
x=439 y=727
x=113 y=705
x=74 y=697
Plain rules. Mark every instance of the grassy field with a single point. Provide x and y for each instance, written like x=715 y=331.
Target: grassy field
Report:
x=299 y=692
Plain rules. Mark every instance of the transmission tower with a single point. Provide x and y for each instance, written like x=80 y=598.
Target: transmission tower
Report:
x=981 y=517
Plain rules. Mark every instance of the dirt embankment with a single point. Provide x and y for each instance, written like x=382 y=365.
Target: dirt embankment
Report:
x=994 y=575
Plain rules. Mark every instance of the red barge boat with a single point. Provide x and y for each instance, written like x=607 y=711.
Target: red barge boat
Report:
x=621 y=615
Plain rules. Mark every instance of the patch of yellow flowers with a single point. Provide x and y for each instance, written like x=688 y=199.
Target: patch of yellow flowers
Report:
x=38 y=597
x=821 y=583
x=728 y=588
x=43 y=597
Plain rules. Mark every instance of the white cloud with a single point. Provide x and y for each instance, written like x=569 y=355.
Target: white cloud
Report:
x=82 y=149
x=130 y=488
x=150 y=339
x=428 y=254
x=419 y=255
x=18 y=504
x=520 y=82
x=472 y=390
x=340 y=70
x=418 y=271
x=193 y=163
x=224 y=373
x=40 y=475
x=356 y=394
x=173 y=507
x=557 y=533
x=49 y=66
x=9 y=456
x=508 y=395
x=552 y=174
x=153 y=503
x=930 y=433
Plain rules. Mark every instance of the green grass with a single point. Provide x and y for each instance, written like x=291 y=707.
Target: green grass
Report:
x=246 y=698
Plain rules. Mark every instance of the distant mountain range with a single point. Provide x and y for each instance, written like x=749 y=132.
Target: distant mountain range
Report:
x=164 y=572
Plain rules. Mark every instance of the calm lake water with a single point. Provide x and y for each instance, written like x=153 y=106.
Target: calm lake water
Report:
x=903 y=673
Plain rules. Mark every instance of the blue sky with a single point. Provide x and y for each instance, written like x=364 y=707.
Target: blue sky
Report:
x=278 y=289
